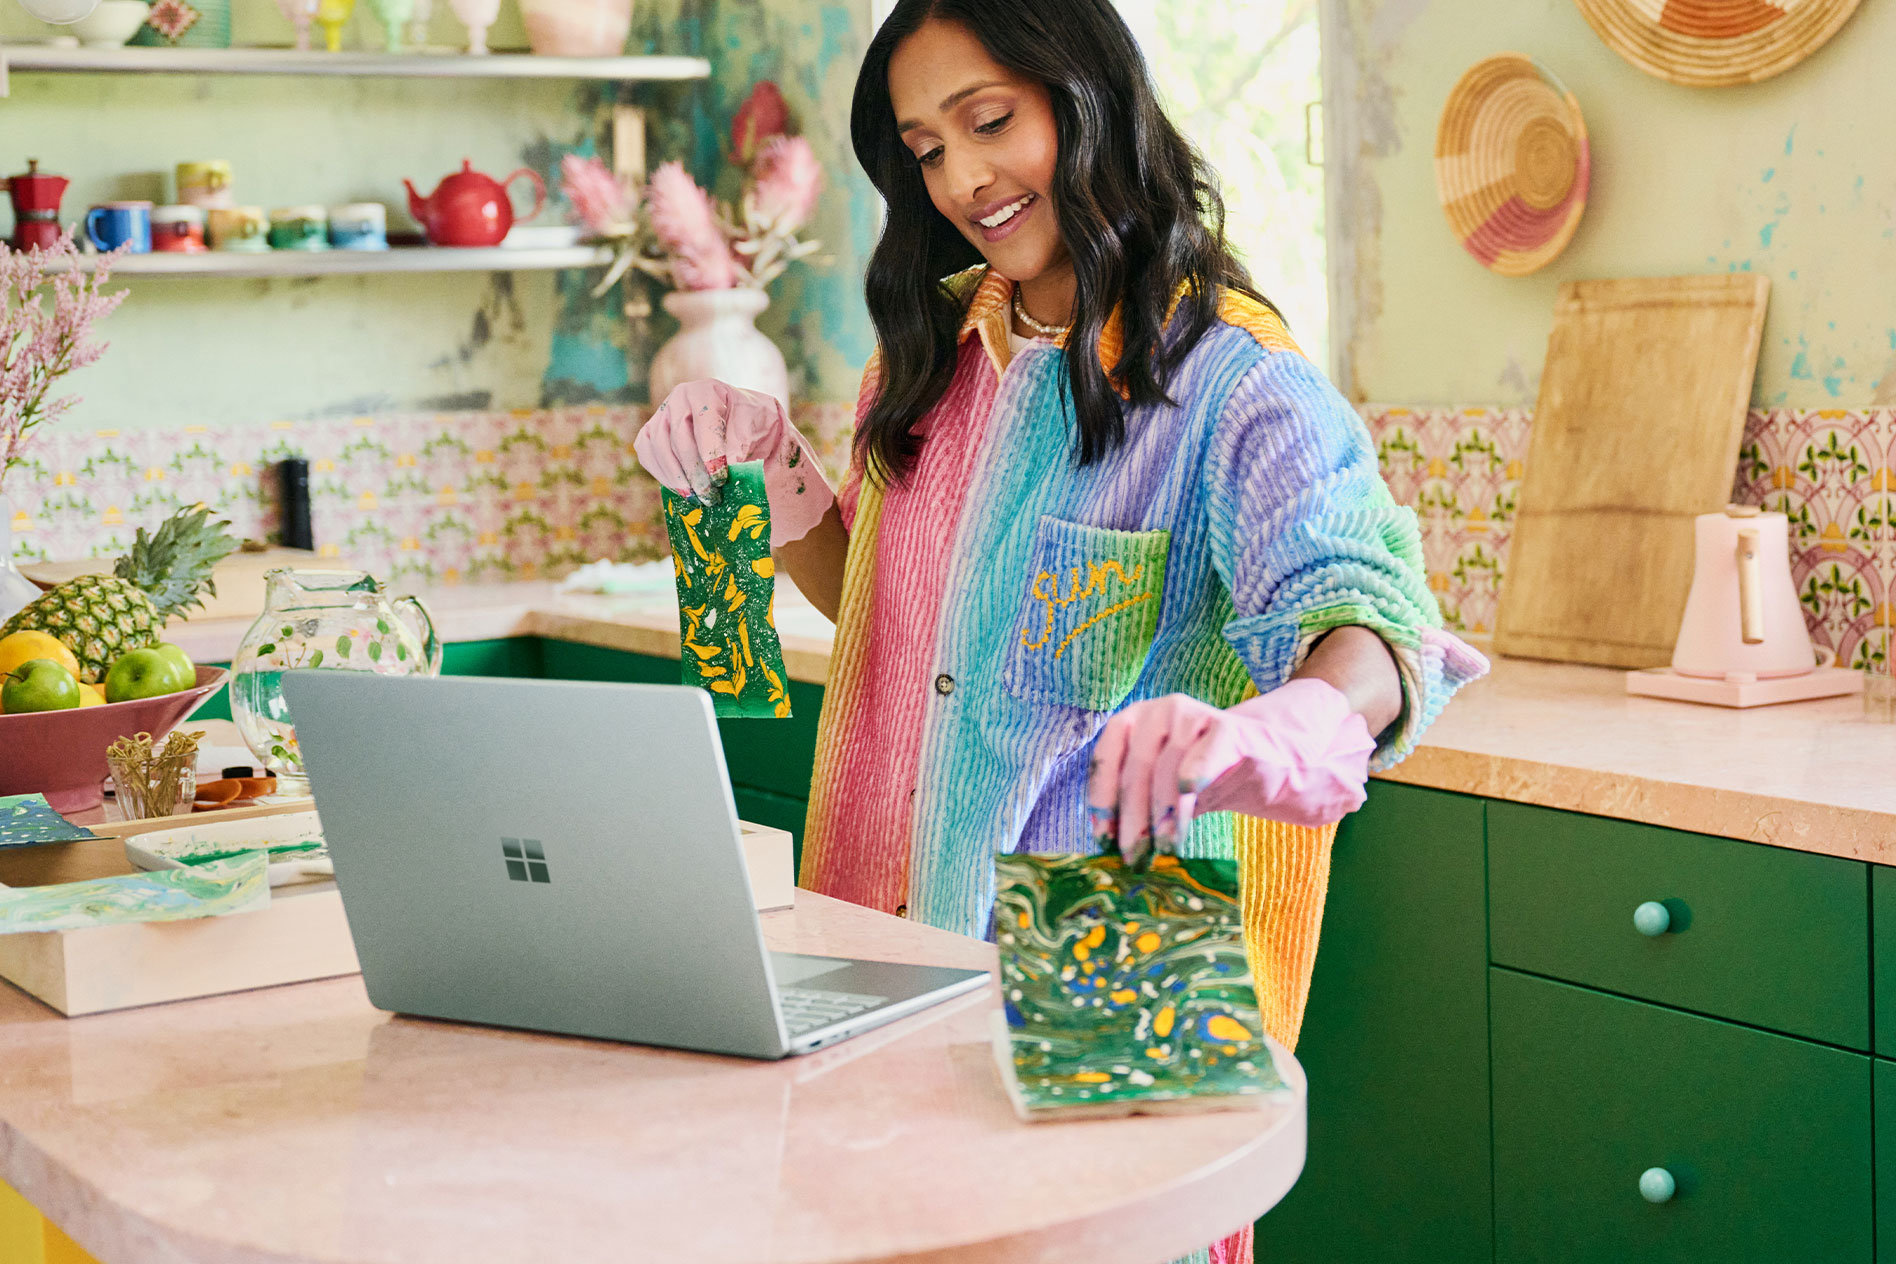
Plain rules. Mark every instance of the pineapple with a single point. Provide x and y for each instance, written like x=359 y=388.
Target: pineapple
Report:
x=99 y=617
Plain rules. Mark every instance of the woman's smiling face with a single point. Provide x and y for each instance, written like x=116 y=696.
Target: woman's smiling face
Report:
x=985 y=138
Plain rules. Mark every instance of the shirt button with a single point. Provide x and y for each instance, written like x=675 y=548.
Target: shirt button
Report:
x=901 y=910
x=944 y=684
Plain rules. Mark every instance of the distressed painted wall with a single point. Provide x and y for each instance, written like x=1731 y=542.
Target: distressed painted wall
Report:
x=225 y=352
x=1791 y=177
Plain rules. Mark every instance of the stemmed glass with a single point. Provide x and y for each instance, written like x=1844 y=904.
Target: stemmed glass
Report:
x=299 y=14
x=476 y=16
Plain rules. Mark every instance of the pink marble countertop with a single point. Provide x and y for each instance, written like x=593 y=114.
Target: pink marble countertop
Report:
x=300 y=1124
x=1813 y=776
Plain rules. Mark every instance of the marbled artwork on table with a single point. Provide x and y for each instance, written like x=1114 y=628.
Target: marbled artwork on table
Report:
x=237 y=885
x=1124 y=991
x=727 y=627
x=27 y=820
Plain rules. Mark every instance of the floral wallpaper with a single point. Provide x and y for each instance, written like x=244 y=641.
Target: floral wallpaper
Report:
x=1832 y=471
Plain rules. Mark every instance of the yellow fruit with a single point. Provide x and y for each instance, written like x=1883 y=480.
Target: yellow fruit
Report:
x=21 y=647
x=90 y=696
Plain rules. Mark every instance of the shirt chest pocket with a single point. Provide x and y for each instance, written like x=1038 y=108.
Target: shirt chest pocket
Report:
x=1086 y=620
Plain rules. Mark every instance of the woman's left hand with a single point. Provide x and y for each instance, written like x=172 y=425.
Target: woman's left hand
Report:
x=1297 y=754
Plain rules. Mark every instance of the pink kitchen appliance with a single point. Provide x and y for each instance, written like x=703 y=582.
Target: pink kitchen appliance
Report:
x=1743 y=642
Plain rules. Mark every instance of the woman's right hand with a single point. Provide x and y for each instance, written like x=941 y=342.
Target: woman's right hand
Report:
x=702 y=427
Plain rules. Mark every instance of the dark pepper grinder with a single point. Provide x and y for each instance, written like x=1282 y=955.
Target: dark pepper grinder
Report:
x=293 y=489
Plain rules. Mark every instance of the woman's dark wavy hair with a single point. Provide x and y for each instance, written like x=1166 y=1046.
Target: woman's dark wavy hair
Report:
x=1138 y=208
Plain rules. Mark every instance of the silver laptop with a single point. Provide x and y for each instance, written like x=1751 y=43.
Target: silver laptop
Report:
x=565 y=857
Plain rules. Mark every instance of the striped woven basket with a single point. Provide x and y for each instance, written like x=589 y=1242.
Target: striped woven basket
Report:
x=1711 y=43
x=1511 y=164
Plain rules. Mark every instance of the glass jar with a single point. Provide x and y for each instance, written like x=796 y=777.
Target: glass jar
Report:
x=338 y=620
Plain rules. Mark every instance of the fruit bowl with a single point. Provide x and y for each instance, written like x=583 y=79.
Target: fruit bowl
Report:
x=61 y=754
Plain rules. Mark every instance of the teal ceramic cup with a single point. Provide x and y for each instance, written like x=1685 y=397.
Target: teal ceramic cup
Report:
x=299 y=228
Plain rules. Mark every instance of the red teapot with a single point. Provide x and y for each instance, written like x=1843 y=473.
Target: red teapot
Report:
x=471 y=209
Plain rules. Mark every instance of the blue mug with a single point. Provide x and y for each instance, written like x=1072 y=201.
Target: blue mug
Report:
x=116 y=224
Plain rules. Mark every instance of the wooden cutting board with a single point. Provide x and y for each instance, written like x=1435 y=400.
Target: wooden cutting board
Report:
x=1641 y=412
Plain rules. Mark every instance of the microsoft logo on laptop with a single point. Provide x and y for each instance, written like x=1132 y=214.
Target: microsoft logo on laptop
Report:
x=526 y=862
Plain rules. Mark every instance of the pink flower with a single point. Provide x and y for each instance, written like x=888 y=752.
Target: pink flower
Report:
x=764 y=114
x=602 y=203
x=686 y=225
x=38 y=347
x=787 y=179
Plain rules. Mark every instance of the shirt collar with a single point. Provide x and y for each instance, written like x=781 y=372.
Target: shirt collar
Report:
x=989 y=316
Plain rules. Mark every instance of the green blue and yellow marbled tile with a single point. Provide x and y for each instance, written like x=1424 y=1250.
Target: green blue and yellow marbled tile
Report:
x=237 y=885
x=1126 y=989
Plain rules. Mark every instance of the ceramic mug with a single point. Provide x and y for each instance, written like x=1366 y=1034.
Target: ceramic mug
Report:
x=299 y=228
x=359 y=226
x=178 y=229
x=238 y=228
x=114 y=224
x=205 y=184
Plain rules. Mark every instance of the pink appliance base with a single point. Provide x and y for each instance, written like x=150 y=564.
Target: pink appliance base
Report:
x=1822 y=682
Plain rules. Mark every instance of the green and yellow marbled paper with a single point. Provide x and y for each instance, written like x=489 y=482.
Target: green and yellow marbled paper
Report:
x=26 y=820
x=727 y=628
x=237 y=885
x=1125 y=990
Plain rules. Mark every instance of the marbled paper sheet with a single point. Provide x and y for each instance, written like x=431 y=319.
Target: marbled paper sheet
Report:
x=1126 y=990
x=727 y=626
x=238 y=885
x=26 y=820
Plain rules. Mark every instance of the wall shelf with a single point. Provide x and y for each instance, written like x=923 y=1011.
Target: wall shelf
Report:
x=309 y=263
x=289 y=61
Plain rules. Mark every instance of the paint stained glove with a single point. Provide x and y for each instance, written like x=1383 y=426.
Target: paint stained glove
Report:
x=691 y=441
x=1297 y=754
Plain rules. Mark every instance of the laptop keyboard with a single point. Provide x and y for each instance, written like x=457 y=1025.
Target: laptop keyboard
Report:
x=806 y=1009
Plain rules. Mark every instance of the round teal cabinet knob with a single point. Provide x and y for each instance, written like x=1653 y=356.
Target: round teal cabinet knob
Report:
x=1657 y=1186
x=1652 y=919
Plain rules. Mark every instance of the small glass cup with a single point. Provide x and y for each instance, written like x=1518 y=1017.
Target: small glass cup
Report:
x=1879 y=692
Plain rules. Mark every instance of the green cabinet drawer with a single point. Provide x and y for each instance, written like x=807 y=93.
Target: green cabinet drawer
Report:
x=1883 y=967
x=1767 y=1137
x=1775 y=938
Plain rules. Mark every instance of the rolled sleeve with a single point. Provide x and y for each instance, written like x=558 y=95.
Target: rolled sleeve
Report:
x=1307 y=538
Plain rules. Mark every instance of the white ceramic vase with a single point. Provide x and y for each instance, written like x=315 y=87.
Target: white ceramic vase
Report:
x=718 y=340
x=16 y=590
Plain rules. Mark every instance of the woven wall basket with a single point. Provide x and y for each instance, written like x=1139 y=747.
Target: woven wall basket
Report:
x=1710 y=43
x=1511 y=164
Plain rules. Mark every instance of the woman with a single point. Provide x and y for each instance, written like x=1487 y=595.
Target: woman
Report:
x=1098 y=500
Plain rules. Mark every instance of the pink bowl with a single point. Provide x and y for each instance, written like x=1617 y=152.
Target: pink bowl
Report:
x=61 y=754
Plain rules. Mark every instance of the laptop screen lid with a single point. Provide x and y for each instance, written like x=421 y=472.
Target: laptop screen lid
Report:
x=551 y=855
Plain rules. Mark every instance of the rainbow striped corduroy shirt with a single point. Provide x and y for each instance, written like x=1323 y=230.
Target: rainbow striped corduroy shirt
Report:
x=1001 y=601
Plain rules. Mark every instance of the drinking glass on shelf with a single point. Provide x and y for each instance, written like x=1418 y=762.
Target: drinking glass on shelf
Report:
x=331 y=14
x=299 y=14
x=392 y=14
x=476 y=16
x=1879 y=679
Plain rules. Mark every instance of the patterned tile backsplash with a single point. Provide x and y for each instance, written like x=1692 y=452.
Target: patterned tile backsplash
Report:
x=412 y=497
x=1832 y=471
x=449 y=497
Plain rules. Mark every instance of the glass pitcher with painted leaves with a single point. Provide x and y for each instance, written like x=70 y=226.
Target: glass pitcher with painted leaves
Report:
x=341 y=620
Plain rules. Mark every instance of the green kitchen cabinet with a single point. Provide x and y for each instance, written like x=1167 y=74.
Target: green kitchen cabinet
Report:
x=1600 y=1101
x=498 y=656
x=1763 y=935
x=1883 y=1088
x=1883 y=968
x=1394 y=1043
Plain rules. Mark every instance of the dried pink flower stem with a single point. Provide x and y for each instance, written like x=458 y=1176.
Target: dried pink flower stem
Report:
x=38 y=346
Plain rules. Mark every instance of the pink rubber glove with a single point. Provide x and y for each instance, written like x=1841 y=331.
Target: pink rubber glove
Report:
x=703 y=427
x=1297 y=754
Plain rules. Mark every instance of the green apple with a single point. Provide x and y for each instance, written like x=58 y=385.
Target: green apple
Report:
x=179 y=659
x=145 y=673
x=39 y=684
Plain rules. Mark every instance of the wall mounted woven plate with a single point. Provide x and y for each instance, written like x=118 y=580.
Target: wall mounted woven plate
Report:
x=1511 y=164
x=1710 y=43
